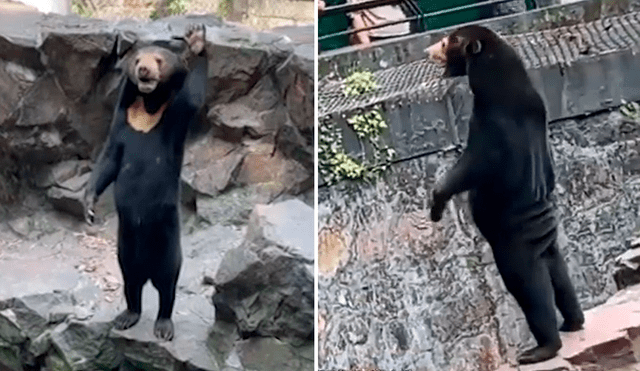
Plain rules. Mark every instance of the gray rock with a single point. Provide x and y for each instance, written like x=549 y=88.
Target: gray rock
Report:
x=10 y=356
x=66 y=200
x=60 y=172
x=76 y=183
x=12 y=87
x=231 y=207
x=193 y=318
x=76 y=57
x=203 y=252
x=266 y=292
x=280 y=355
x=627 y=269
x=41 y=345
x=291 y=144
x=19 y=323
x=83 y=346
x=68 y=197
x=10 y=329
x=236 y=119
x=209 y=166
x=286 y=224
x=21 y=226
x=297 y=74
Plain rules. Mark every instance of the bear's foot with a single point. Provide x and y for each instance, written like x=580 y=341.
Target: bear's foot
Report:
x=572 y=326
x=538 y=354
x=126 y=320
x=195 y=37
x=163 y=329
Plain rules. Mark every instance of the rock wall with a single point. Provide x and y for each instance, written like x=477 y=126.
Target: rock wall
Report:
x=58 y=81
x=397 y=291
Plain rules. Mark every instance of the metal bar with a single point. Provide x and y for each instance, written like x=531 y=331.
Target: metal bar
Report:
x=454 y=147
x=359 y=6
x=348 y=8
x=352 y=31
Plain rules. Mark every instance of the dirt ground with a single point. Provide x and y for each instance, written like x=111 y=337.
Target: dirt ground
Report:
x=258 y=14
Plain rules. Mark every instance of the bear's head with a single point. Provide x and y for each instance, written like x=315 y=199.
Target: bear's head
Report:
x=153 y=66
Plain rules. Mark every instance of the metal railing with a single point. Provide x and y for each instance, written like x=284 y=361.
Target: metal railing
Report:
x=416 y=13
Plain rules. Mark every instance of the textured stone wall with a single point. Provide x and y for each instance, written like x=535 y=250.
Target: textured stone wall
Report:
x=58 y=87
x=397 y=291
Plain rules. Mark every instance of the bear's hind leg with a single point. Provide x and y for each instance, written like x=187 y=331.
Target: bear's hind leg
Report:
x=527 y=279
x=132 y=274
x=565 y=295
x=166 y=286
x=165 y=277
x=133 y=294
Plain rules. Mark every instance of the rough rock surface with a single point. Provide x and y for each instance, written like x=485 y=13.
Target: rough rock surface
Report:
x=400 y=292
x=58 y=81
x=61 y=288
x=627 y=271
x=266 y=285
x=608 y=342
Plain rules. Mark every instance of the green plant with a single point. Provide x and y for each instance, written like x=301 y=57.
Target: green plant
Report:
x=631 y=110
x=225 y=7
x=359 y=82
x=369 y=124
x=169 y=7
x=175 y=7
x=81 y=9
x=344 y=166
x=335 y=165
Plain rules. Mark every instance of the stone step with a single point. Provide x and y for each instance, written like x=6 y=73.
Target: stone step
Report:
x=610 y=340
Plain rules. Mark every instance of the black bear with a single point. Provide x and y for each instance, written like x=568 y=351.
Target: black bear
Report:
x=508 y=169
x=161 y=94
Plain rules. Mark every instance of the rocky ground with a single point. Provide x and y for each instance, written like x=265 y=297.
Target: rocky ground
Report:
x=247 y=193
x=609 y=341
x=62 y=285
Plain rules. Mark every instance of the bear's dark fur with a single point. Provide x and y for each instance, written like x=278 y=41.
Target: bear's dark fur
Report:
x=159 y=98
x=508 y=169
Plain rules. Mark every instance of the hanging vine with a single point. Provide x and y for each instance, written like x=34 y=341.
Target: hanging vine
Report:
x=335 y=164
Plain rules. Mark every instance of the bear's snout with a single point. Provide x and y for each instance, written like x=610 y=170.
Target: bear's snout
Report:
x=144 y=72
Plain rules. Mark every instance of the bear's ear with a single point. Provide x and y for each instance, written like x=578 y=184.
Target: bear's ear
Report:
x=474 y=46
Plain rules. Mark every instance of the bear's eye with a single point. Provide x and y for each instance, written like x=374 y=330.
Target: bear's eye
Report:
x=159 y=61
x=137 y=60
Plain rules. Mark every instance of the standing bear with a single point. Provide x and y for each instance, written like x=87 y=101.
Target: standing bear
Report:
x=508 y=169
x=161 y=94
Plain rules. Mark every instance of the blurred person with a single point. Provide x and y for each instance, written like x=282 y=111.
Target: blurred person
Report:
x=375 y=16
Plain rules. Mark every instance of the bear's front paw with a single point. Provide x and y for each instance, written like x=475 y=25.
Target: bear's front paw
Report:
x=89 y=209
x=195 y=36
x=437 y=205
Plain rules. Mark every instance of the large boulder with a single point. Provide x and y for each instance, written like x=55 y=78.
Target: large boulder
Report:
x=265 y=286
